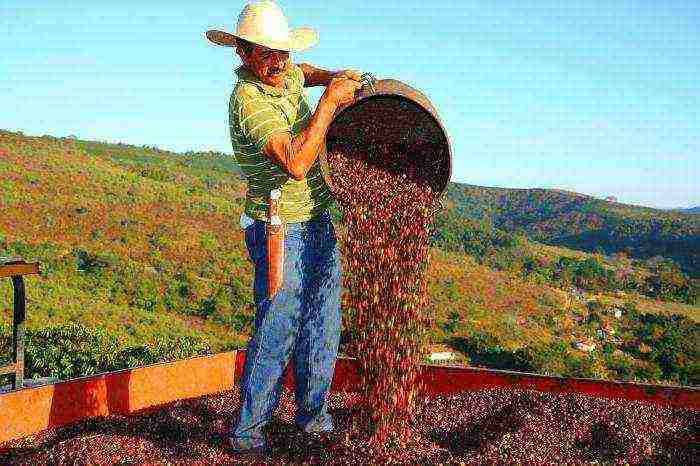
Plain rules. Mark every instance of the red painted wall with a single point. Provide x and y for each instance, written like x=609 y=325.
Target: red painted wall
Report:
x=30 y=410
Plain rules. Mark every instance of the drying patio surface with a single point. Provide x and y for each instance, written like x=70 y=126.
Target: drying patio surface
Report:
x=494 y=426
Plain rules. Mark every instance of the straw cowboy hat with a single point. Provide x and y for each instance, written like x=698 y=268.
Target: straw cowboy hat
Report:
x=264 y=23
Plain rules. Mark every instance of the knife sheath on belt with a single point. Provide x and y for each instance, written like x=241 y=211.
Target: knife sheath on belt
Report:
x=275 y=245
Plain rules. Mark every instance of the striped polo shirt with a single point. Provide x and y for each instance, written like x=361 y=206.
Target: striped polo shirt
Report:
x=256 y=111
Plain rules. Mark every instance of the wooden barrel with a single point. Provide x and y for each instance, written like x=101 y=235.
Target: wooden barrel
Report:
x=390 y=112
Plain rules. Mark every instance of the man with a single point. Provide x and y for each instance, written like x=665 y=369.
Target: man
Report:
x=276 y=142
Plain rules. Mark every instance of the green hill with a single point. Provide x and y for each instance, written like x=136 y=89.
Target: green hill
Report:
x=585 y=223
x=690 y=210
x=142 y=260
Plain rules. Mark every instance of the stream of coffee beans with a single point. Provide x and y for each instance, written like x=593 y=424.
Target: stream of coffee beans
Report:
x=387 y=215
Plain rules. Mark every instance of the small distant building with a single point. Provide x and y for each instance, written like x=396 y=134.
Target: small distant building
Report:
x=611 y=199
x=442 y=356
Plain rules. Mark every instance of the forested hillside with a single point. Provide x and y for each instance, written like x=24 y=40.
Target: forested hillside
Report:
x=142 y=260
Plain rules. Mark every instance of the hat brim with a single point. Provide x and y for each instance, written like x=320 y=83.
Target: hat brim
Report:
x=300 y=39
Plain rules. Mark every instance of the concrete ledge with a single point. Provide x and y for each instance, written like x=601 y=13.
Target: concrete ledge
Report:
x=443 y=380
x=33 y=409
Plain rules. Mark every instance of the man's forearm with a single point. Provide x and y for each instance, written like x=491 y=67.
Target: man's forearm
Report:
x=307 y=144
x=317 y=77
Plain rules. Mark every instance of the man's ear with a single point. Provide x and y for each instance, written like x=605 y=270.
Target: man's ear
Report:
x=241 y=53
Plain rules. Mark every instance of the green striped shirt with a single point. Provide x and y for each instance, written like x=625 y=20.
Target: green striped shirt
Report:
x=256 y=111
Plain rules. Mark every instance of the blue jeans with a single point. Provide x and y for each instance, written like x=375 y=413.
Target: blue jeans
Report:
x=302 y=320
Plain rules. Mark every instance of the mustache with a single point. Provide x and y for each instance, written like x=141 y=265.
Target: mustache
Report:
x=277 y=69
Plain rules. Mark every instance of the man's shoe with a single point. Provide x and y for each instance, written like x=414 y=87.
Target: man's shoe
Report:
x=231 y=447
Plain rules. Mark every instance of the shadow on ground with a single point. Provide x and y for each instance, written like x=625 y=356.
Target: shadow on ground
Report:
x=474 y=436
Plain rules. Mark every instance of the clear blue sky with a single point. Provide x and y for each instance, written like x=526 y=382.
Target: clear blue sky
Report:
x=598 y=97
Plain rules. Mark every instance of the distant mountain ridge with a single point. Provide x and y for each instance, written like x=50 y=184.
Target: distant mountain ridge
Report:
x=578 y=221
x=689 y=210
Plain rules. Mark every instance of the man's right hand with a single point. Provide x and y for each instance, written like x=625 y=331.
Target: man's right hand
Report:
x=341 y=91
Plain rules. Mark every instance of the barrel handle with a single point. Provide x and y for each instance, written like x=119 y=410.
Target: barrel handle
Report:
x=368 y=79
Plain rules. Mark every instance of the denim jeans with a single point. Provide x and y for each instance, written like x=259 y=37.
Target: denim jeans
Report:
x=301 y=321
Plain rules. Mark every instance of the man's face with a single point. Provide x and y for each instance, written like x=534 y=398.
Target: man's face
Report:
x=268 y=64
